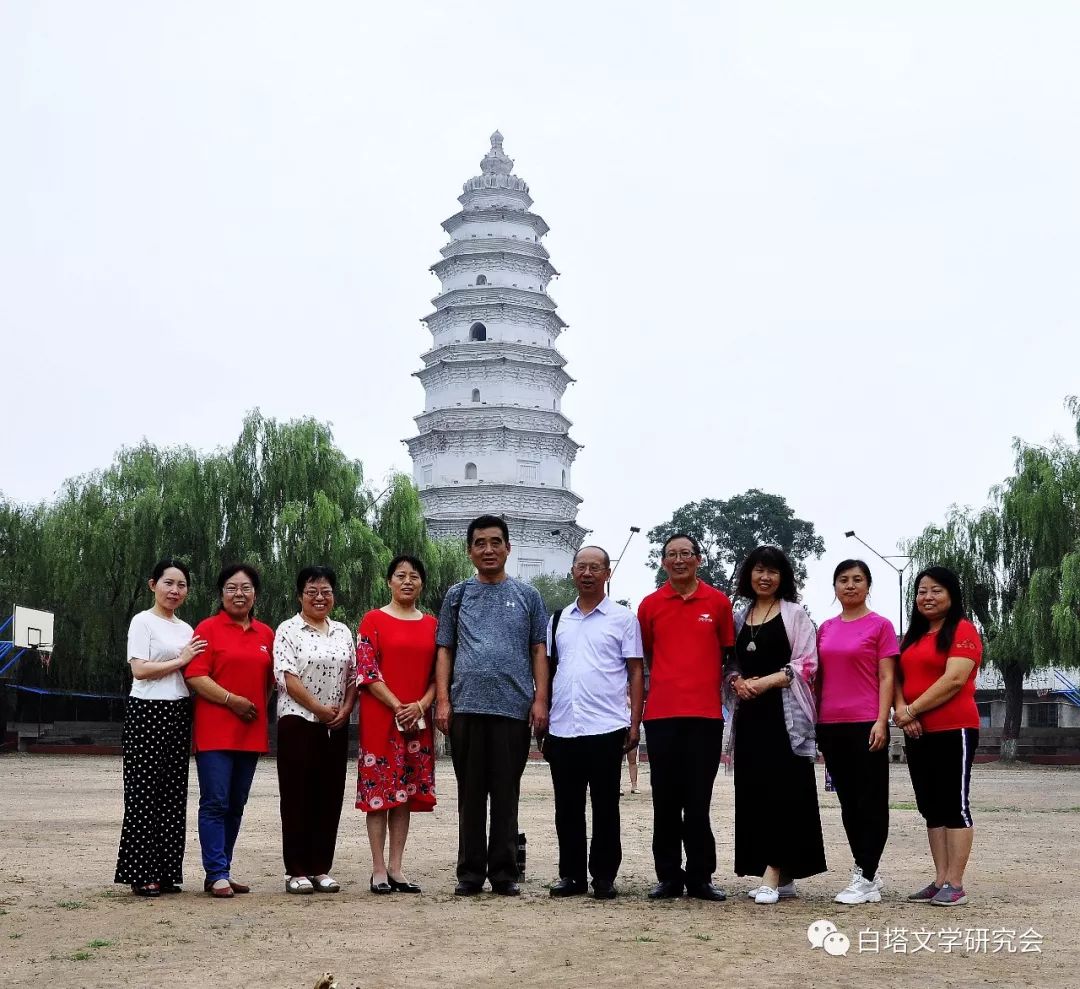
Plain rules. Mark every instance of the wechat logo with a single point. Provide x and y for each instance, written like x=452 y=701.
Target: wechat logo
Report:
x=823 y=934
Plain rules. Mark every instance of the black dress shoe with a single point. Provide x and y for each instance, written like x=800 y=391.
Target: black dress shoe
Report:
x=668 y=889
x=506 y=888
x=567 y=887
x=381 y=888
x=464 y=888
x=403 y=887
x=705 y=891
x=603 y=890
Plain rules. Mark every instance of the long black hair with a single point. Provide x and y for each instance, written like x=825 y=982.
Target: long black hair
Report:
x=919 y=624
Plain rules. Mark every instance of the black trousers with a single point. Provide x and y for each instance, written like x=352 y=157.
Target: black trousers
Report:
x=311 y=764
x=592 y=762
x=489 y=753
x=861 y=778
x=684 y=755
x=157 y=752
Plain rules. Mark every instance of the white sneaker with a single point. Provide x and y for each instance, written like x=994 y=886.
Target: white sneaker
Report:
x=766 y=895
x=860 y=889
x=785 y=892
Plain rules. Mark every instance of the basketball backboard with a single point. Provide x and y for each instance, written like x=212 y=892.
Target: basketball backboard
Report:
x=32 y=629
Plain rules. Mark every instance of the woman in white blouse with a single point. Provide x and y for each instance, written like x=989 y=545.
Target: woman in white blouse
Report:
x=315 y=669
x=157 y=739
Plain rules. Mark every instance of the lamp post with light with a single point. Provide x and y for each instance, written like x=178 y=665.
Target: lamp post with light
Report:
x=887 y=559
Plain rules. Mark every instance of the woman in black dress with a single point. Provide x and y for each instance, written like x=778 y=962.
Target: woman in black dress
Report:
x=770 y=686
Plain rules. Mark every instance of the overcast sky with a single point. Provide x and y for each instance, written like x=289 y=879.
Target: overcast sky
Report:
x=829 y=250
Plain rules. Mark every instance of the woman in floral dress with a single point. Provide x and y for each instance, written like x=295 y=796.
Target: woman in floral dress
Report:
x=395 y=671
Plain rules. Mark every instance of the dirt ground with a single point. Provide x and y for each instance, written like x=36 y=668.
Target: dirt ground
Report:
x=62 y=923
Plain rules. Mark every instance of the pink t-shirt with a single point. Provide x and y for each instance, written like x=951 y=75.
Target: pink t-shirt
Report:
x=849 y=653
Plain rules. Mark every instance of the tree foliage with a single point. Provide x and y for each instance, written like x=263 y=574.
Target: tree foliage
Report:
x=282 y=497
x=557 y=592
x=729 y=530
x=1019 y=563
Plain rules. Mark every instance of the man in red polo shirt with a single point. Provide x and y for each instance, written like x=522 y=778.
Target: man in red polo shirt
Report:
x=686 y=626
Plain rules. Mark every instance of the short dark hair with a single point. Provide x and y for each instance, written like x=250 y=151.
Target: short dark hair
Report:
x=681 y=535
x=774 y=558
x=851 y=565
x=168 y=563
x=232 y=569
x=607 y=559
x=413 y=562
x=487 y=522
x=308 y=574
x=919 y=624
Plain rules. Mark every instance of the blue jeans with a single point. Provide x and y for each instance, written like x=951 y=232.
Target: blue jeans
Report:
x=224 y=783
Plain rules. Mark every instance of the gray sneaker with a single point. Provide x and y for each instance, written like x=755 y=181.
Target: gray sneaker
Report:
x=949 y=896
x=926 y=894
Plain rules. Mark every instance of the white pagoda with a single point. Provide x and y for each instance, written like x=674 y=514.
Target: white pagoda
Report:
x=492 y=437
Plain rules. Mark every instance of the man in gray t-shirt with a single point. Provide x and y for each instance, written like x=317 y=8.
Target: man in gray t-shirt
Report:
x=491 y=687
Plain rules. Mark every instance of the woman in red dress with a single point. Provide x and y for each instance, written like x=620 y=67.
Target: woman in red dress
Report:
x=395 y=664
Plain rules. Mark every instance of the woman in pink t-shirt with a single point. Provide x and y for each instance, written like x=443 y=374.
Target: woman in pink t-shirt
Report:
x=857 y=651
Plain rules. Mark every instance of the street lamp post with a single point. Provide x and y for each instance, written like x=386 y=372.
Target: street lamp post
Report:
x=850 y=534
x=633 y=530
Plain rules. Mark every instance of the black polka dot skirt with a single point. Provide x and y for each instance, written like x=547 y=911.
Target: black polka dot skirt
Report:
x=157 y=745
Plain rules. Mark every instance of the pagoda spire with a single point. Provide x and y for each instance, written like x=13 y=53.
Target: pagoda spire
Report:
x=492 y=437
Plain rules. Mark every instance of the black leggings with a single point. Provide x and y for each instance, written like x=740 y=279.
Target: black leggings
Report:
x=861 y=778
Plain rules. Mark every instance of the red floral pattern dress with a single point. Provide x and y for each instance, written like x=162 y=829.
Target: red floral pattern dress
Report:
x=394 y=768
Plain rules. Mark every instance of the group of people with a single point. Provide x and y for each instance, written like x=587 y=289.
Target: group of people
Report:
x=495 y=670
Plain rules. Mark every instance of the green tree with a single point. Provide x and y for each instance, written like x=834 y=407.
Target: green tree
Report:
x=729 y=530
x=282 y=497
x=557 y=592
x=1019 y=563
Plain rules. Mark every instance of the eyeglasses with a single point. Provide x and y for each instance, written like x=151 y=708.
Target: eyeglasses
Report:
x=679 y=554
x=238 y=589
x=589 y=567
x=314 y=593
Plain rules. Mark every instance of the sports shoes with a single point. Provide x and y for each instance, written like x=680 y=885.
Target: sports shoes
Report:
x=926 y=894
x=949 y=896
x=766 y=895
x=785 y=892
x=860 y=889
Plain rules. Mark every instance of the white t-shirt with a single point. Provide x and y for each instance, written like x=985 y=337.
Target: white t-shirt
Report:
x=158 y=640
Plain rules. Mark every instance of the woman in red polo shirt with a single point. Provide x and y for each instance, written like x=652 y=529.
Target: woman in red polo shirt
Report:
x=935 y=705
x=232 y=680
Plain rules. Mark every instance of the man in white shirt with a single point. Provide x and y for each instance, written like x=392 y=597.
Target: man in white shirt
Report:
x=598 y=648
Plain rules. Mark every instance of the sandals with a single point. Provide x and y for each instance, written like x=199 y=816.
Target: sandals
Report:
x=298 y=884
x=146 y=889
x=325 y=884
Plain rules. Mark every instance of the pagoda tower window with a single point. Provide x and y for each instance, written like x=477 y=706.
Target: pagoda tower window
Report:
x=478 y=331
x=470 y=472
x=476 y=394
x=481 y=279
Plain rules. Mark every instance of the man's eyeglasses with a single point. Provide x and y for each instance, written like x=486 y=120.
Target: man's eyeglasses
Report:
x=589 y=567
x=679 y=554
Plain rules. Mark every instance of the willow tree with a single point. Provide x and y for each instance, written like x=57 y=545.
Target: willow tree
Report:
x=401 y=528
x=1019 y=559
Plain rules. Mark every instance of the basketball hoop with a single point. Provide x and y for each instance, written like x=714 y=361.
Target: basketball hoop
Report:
x=1042 y=691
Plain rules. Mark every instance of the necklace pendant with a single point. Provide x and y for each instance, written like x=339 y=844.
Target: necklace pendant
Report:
x=751 y=647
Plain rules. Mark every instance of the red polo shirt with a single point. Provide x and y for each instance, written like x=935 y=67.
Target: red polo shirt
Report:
x=686 y=638
x=241 y=661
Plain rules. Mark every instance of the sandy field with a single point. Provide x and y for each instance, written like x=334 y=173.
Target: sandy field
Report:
x=62 y=922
